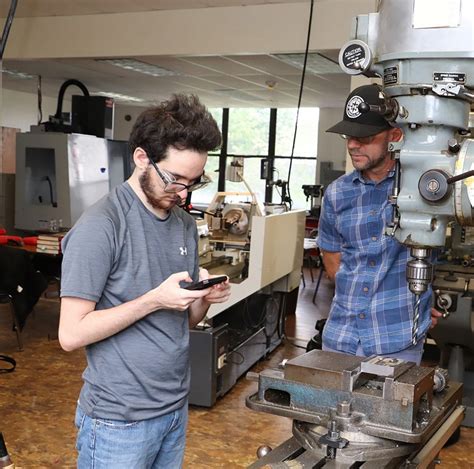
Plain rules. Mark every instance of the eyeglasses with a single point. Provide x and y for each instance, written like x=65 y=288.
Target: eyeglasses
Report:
x=172 y=186
x=361 y=140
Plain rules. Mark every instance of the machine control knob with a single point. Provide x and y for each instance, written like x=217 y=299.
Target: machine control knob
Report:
x=444 y=302
x=453 y=146
x=440 y=379
x=364 y=108
x=262 y=451
x=390 y=109
x=433 y=185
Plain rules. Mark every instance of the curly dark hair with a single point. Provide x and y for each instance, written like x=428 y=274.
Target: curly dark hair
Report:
x=181 y=122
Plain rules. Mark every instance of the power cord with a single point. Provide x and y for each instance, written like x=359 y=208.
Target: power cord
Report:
x=300 y=95
x=11 y=361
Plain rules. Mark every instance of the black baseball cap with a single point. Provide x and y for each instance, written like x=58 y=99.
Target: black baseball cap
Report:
x=356 y=123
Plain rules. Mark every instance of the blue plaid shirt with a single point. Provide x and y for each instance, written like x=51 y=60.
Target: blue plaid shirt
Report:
x=372 y=304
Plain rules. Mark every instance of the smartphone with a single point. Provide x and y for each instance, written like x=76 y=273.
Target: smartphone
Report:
x=206 y=283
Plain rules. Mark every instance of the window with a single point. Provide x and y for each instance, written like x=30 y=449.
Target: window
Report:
x=306 y=144
x=248 y=138
x=217 y=114
x=252 y=178
x=303 y=171
x=307 y=137
x=248 y=131
x=203 y=196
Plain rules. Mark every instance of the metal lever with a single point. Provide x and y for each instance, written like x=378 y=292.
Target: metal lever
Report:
x=390 y=110
x=460 y=177
x=444 y=301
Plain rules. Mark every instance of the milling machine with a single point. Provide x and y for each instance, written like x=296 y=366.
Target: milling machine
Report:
x=422 y=50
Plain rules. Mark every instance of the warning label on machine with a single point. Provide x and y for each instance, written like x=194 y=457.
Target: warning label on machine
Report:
x=449 y=77
x=354 y=53
x=390 y=76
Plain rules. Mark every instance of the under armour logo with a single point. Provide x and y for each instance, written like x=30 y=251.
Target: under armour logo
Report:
x=183 y=251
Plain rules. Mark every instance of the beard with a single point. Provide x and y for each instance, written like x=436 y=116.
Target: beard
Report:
x=366 y=162
x=163 y=202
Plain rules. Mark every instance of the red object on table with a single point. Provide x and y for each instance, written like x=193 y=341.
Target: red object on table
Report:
x=30 y=240
x=5 y=239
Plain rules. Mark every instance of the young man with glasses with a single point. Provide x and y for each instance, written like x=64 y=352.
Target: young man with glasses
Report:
x=125 y=263
x=372 y=310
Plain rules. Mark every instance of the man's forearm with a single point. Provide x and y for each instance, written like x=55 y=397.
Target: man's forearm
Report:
x=81 y=324
x=197 y=312
x=331 y=261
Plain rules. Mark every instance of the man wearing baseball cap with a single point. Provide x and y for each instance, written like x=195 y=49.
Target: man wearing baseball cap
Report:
x=372 y=310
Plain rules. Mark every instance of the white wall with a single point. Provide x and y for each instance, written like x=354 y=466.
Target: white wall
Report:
x=331 y=147
x=252 y=29
x=20 y=110
x=124 y=118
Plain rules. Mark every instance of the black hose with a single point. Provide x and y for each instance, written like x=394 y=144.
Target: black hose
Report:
x=51 y=196
x=62 y=90
x=6 y=28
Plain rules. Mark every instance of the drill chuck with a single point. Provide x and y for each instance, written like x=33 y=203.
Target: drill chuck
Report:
x=419 y=271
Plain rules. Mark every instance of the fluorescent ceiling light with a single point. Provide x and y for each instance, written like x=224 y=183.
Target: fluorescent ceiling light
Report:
x=140 y=67
x=120 y=97
x=316 y=63
x=14 y=73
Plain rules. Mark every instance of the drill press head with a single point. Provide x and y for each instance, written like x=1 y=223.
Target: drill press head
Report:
x=424 y=56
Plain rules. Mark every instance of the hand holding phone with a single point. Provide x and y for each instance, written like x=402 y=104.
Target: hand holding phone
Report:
x=208 y=282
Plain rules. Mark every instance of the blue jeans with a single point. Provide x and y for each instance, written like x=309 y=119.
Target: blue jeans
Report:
x=156 y=443
x=410 y=354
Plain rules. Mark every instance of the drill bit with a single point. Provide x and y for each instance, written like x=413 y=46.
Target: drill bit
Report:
x=416 y=318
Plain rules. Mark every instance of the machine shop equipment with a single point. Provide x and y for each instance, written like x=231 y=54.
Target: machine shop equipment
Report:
x=423 y=52
x=352 y=412
x=66 y=164
x=59 y=175
x=453 y=286
x=314 y=193
x=262 y=255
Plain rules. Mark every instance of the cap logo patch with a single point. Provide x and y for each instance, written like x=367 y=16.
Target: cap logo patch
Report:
x=352 y=107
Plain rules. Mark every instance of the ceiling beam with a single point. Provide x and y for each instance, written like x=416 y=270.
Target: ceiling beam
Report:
x=269 y=28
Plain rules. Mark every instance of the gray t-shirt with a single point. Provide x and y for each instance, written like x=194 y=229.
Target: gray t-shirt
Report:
x=117 y=251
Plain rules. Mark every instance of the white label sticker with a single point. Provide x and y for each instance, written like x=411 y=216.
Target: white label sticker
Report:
x=436 y=13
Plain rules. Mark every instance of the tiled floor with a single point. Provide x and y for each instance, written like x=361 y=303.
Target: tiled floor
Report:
x=37 y=401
